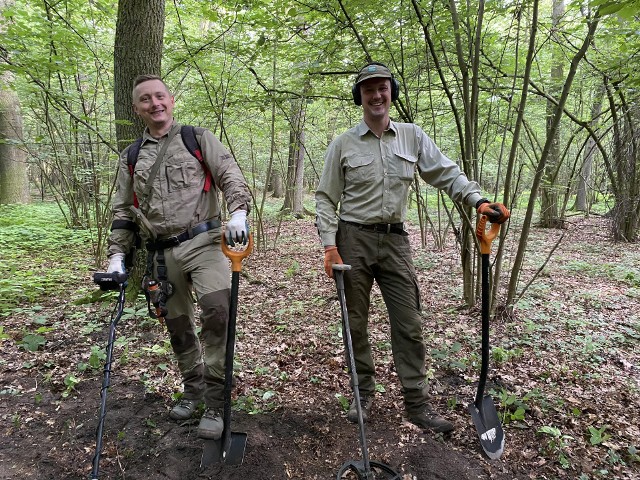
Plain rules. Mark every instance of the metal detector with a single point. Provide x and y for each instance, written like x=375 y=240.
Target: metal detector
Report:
x=230 y=448
x=365 y=468
x=107 y=281
x=482 y=410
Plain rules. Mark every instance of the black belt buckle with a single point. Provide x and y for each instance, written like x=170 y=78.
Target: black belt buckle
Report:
x=381 y=227
x=172 y=241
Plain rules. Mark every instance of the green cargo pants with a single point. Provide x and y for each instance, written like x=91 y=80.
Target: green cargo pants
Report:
x=199 y=266
x=385 y=258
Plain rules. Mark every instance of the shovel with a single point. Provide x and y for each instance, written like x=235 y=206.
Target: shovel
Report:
x=107 y=281
x=229 y=449
x=365 y=468
x=483 y=411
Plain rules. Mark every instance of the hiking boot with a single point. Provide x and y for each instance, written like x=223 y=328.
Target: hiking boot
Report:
x=428 y=419
x=211 y=424
x=365 y=402
x=184 y=409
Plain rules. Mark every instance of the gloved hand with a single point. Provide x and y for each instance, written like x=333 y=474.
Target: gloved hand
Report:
x=116 y=263
x=331 y=257
x=238 y=228
x=496 y=212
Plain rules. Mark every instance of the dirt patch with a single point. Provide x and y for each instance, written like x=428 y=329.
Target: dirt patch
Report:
x=54 y=440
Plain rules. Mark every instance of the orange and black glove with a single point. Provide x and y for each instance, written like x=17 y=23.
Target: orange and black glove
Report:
x=496 y=212
x=331 y=257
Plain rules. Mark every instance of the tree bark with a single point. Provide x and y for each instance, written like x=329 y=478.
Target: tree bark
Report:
x=14 y=181
x=550 y=215
x=137 y=50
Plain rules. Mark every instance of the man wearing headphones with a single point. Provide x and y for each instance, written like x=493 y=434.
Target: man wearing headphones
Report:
x=367 y=174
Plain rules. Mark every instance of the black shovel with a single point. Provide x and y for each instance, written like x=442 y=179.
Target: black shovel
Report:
x=107 y=281
x=365 y=468
x=229 y=449
x=483 y=411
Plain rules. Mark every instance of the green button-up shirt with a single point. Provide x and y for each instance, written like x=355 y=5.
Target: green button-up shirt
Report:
x=367 y=178
x=177 y=200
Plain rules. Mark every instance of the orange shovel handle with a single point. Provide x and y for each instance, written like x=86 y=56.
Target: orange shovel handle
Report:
x=236 y=257
x=486 y=237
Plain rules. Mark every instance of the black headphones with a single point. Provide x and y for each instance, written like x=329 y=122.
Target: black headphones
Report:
x=395 y=86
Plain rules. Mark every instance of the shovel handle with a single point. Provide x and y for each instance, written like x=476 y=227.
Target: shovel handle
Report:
x=236 y=256
x=486 y=237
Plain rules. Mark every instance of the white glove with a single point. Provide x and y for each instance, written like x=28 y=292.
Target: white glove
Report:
x=116 y=263
x=238 y=228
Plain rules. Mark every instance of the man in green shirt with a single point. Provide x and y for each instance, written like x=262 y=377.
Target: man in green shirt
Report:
x=361 y=204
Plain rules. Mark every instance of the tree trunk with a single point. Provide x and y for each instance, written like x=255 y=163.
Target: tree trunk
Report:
x=137 y=50
x=584 y=179
x=14 y=181
x=526 y=225
x=550 y=216
x=295 y=166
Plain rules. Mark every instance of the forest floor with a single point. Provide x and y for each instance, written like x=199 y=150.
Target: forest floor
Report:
x=565 y=371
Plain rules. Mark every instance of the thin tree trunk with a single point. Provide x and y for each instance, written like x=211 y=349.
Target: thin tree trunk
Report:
x=14 y=180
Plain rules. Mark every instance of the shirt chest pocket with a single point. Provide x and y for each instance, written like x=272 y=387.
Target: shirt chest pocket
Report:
x=183 y=172
x=404 y=165
x=360 y=168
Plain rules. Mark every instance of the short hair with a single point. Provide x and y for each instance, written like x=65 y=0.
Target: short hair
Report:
x=145 y=77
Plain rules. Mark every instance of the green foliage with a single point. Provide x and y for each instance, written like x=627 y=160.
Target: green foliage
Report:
x=343 y=401
x=38 y=253
x=513 y=409
x=32 y=342
x=598 y=435
x=557 y=444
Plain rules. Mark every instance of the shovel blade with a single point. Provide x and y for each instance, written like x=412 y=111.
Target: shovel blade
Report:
x=488 y=426
x=234 y=455
x=214 y=453
x=211 y=453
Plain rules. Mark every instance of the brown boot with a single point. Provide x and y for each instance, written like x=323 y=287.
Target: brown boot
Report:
x=430 y=420
x=365 y=402
x=211 y=424
x=184 y=409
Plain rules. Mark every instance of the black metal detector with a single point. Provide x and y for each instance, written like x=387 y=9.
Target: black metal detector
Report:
x=107 y=281
x=230 y=448
x=483 y=411
x=365 y=468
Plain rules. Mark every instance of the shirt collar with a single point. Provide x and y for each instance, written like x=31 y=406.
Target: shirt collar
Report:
x=147 y=137
x=363 y=128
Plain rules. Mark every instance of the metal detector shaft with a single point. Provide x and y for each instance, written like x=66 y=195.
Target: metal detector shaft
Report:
x=338 y=273
x=106 y=380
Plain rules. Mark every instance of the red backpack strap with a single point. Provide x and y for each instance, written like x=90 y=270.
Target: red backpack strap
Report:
x=188 y=134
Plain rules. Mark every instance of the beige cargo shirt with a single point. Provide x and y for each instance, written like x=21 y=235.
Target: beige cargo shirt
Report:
x=177 y=200
x=369 y=177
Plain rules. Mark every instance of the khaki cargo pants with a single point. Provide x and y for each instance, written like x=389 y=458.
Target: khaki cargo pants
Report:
x=385 y=258
x=199 y=266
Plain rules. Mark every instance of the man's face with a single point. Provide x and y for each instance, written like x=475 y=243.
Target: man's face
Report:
x=153 y=103
x=376 y=97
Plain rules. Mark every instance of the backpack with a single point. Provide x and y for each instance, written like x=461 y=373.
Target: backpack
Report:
x=188 y=134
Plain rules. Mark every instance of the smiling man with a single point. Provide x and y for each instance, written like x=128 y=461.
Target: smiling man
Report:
x=168 y=183
x=361 y=204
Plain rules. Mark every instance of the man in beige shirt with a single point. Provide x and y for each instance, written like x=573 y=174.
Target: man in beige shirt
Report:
x=361 y=204
x=171 y=196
